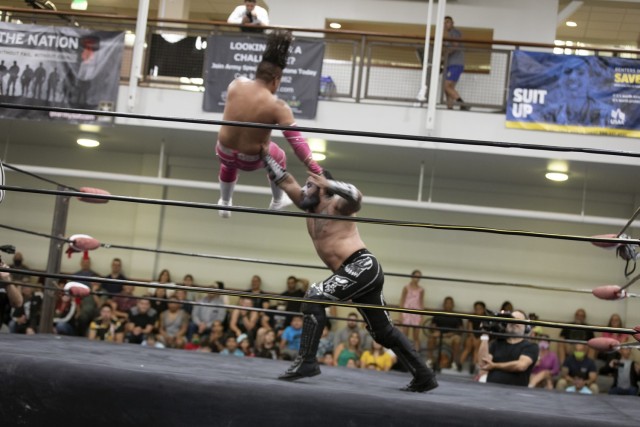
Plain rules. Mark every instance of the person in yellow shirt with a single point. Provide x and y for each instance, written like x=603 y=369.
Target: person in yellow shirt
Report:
x=377 y=358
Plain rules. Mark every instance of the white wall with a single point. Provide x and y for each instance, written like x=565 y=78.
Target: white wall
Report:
x=517 y=20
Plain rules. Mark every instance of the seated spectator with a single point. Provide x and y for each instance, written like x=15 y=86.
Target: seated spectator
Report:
x=116 y=274
x=625 y=372
x=376 y=358
x=64 y=314
x=579 y=385
x=245 y=345
x=348 y=350
x=506 y=306
x=244 y=321
x=343 y=334
x=173 y=324
x=26 y=319
x=472 y=340
x=231 y=347
x=327 y=359
x=268 y=348
x=182 y=296
x=578 y=364
x=106 y=327
x=142 y=321
x=615 y=321
x=546 y=368
x=326 y=341
x=18 y=263
x=452 y=339
x=210 y=310
x=296 y=287
x=579 y=318
x=290 y=341
x=256 y=285
x=216 y=340
x=89 y=308
x=152 y=341
x=123 y=302
x=195 y=343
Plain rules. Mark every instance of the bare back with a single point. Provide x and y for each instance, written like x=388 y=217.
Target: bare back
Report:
x=334 y=240
x=251 y=101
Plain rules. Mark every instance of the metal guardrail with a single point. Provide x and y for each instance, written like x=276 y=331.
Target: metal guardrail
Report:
x=358 y=66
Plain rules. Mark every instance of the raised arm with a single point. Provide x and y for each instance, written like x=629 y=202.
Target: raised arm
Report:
x=350 y=197
x=295 y=139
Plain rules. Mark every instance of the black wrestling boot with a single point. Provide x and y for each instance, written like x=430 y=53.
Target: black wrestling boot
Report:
x=423 y=378
x=306 y=363
x=301 y=369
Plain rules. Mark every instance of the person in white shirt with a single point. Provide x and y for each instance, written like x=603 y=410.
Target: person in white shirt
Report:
x=250 y=15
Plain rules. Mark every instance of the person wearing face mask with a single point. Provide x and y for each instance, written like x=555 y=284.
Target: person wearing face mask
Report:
x=578 y=364
x=547 y=366
x=509 y=360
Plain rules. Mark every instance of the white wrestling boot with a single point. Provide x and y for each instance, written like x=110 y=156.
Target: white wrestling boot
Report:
x=279 y=204
x=224 y=214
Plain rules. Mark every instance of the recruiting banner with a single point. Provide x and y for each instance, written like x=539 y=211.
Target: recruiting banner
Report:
x=570 y=93
x=229 y=57
x=59 y=67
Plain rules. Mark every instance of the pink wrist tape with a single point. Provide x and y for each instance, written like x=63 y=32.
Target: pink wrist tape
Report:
x=302 y=150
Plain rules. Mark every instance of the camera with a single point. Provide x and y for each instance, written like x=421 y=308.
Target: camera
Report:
x=495 y=326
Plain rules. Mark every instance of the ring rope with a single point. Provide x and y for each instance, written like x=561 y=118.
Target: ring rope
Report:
x=298 y=265
x=41 y=178
x=628 y=224
x=365 y=220
x=322 y=302
x=453 y=141
x=296 y=313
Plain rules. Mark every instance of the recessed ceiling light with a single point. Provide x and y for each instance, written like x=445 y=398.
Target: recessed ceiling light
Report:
x=86 y=127
x=557 y=176
x=79 y=4
x=335 y=25
x=317 y=144
x=571 y=24
x=86 y=142
x=318 y=157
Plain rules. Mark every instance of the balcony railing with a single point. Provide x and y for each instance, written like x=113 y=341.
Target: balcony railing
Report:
x=357 y=67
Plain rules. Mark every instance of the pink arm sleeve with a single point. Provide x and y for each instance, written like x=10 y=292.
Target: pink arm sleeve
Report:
x=302 y=150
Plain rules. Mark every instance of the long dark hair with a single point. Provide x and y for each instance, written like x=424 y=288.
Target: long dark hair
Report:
x=274 y=58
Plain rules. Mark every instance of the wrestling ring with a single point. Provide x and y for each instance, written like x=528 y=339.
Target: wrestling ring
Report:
x=73 y=380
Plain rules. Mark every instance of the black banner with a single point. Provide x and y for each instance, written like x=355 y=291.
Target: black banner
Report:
x=59 y=67
x=229 y=57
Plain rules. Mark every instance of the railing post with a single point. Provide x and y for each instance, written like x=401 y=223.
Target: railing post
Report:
x=363 y=42
x=138 y=52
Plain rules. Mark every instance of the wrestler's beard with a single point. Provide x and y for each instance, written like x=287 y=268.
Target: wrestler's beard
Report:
x=309 y=203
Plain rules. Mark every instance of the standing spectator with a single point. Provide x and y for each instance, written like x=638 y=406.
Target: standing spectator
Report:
x=578 y=364
x=116 y=274
x=413 y=298
x=106 y=327
x=455 y=64
x=251 y=16
x=509 y=361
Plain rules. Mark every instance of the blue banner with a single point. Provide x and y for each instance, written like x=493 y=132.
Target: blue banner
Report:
x=578 y=94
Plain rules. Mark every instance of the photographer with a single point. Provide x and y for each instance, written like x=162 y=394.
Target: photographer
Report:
x=249 y=15
x=625 y=372
x=8 y=291
x=508 y=360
